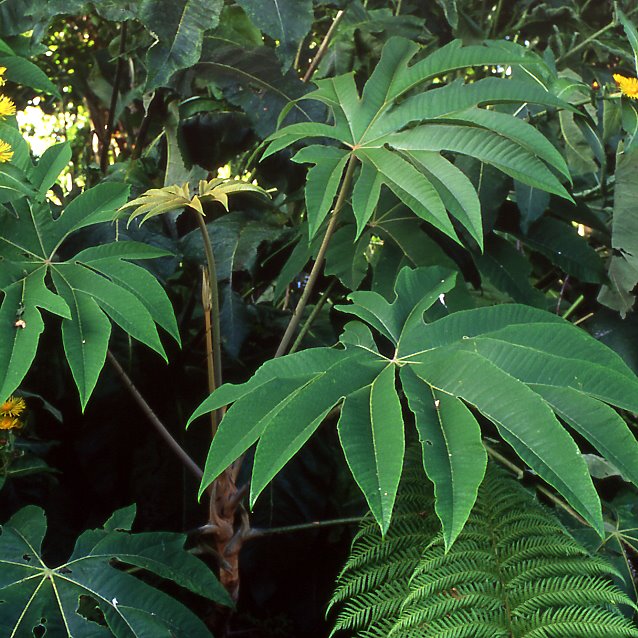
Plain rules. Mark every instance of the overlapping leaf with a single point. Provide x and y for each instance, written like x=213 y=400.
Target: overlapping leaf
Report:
x=516 y=365
x=91 y=290
x=372 y=126
x=88 y=596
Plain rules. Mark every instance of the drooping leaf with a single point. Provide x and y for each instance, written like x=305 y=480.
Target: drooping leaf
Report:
x=179 y=27
x=97 y=286
x=372 y=436
x=623 y=266
x=286 y=21
x=35 y=596
x=453 y=454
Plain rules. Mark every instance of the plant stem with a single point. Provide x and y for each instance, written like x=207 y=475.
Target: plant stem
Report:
x=260 y=533
x=519 y=473
x=497 y=15
x=108 y=132
x=323 y=47
x=312 y=316
x=154 y=419
x=573 y=307
x=593 y=36
x=317 y=267
x=211 y=310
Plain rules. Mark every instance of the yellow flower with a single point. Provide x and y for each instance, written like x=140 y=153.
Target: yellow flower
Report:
x=13 y=406
x=628 y=86
x=6 y=153
x=9 y=423
x=7 y=107
x=2 y=70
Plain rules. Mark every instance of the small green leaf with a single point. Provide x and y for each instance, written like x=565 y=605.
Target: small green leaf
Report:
x=322 y=182
x=54 y=160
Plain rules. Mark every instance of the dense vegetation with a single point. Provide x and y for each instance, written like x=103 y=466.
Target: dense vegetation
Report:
x=321 y=264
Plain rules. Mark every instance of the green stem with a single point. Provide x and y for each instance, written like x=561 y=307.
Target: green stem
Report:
x=213 y=353
x=593 y=36
x=323 y=47
x=497 y=15
x=318 y=265
x=573 y=307
x=312 y=316
x=519 y=473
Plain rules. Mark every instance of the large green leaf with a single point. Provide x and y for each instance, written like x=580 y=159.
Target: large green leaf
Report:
x=453 y=454
x=516 y=365
x=623 y=265
x=179 y=27
x=60 y=600
x=286 y=21
x=372 y=436
x=96 y=286
x=370 y=126
x=22 y=71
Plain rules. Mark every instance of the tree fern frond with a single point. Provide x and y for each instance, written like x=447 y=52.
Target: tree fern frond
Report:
x=513 y=572
x=571 y=590
x=576 y=622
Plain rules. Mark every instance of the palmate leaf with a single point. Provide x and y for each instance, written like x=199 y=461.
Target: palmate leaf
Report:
x=518 y=366
x=372 y=127
x=67 y=600
x=96 y=287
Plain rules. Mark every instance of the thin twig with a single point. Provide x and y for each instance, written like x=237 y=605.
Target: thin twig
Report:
x=256 y=532
x=318 y=265
x=108 y=132
x=561 y=294
x=519 y=473
x=593 y=36
x=323 y=47
x=573 y=307
x=154 y=419
x=589 y=315
x=312 y=316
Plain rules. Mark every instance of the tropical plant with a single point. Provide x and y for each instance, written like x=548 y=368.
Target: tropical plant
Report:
x=514 y=571
x=428 y=164
x=540 y=363
x=94 y=593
